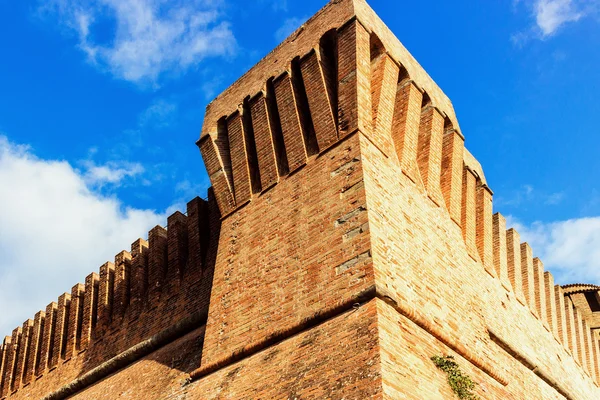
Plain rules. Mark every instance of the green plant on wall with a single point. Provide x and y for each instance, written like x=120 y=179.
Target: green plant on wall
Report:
x=460 y=383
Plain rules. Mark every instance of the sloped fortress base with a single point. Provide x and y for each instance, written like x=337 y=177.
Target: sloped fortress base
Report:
x=347 y=239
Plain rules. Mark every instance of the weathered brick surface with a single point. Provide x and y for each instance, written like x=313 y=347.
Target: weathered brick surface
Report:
x=265 y=142
x=34 y=347
x=405 y=128
x=468 y=214
x=551 y=315
x=354 y=78
x=500 y=250
x=157 y=376
x=319 y=102
x=291 y=126
x=408 y=372
x=561 y=317
x=485 y=237
x=452 y=172
x=420 y=258
x=238 y=145
x=528 y=276
x=429 y=155
x=385 y=78
x=343 y=364
x=269 y=247
x=61 y=327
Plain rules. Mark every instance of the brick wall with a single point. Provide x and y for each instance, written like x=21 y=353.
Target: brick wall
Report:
x=117 y=308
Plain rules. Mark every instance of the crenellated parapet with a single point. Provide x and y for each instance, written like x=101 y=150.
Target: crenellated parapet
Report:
x=144 y=292
x=309 y=94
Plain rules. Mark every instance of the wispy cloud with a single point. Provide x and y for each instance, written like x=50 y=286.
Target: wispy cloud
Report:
x=159 y=114
x=288 y=27
x=148 y=37
x=55 y=228
x=526 y=194
x=571 y=249
x=112 y=172
x=550 y=16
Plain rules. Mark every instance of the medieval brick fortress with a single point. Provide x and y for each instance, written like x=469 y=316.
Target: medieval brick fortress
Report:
x=347 y=239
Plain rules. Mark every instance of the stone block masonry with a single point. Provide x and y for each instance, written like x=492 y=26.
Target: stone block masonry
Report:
x=347 y=238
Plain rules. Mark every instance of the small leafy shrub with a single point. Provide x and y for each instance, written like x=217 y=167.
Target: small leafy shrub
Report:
x=461 y=384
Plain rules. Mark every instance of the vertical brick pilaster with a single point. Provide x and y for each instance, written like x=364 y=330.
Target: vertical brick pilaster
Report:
x=596 y=355
x=48 y=338
x=468 y=212
x=515 y=273
x=221 y=182
x=73 y=341
x=291 y=126
x=265 y=144
x=240 y=164
x=61 y=329
x=22 y=355
x=540 y=291
x=383 y=86
x=485 y=239
x=139 y=274
x=500 y=249
x=122 y=288
x=6 y=347
x=11 y=359
x=561 y=317
x=105 y=296
x=157 y=261
x=319 y=102
x=177 y=243
x=35 y=343
x=528 y=277
x=405 y=129
x=198 y=232
x=580 y=339
x=571 y=332
x=90 y=309
x=587 y=335
x=354 y=79
x=551 y=314
x=429 y=155
x=452 y=172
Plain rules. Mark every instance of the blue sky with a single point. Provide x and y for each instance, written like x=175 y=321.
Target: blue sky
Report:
x=101 y=102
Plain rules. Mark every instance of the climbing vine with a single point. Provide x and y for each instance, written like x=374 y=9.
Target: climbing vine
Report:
x=460 y=383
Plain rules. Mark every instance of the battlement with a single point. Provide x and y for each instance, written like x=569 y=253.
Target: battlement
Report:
x=162 y=283
x=349 y=235
x=303 y=97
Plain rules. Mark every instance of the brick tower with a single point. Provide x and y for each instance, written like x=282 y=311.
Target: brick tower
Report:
x=347 y=239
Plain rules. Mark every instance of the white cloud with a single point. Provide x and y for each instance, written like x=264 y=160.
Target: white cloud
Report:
x=149 y=36
x=110 y=173
x=570 y=249
x=550 y=15
x=54 y=230
x=288 y=27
